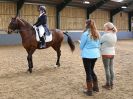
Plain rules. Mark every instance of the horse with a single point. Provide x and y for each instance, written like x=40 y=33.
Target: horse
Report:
x=29 y=42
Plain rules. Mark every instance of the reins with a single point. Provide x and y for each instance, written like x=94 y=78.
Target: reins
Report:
x=24 y=30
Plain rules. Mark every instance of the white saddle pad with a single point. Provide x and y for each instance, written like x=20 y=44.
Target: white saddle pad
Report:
x=42 y=31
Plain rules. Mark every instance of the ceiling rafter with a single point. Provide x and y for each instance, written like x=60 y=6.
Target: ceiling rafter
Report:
x=92 y=8
x=79 y=3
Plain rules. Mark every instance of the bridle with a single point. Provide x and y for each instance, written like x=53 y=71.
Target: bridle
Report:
x=17 y=27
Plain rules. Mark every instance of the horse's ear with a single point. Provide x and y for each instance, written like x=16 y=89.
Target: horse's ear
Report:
x=13 y=18
x=16 y=17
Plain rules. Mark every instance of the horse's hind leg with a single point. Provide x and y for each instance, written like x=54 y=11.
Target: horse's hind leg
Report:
x=29 y=58
x=58 y=51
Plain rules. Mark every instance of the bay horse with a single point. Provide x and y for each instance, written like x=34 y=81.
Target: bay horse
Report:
x=30 y=43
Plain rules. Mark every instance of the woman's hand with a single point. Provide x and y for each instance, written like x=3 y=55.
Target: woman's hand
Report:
x=79 y=41
x=34 y=26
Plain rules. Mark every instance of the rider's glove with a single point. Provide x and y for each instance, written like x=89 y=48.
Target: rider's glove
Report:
x=34 y=26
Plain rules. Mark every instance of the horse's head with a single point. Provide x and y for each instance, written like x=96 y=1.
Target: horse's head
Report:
x=13 y=25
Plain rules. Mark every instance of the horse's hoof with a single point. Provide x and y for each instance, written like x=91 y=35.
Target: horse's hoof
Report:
x=55 y=66
x=58 y=65
x=29 y=70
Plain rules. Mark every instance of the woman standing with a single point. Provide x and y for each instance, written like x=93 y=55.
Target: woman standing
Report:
x=108 y=42
x=90 y=52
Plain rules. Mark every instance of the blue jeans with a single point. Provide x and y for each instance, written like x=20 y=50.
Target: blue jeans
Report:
x=108 y=66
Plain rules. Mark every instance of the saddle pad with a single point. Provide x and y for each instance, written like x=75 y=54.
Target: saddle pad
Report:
x=41 y=30
x=48 y=38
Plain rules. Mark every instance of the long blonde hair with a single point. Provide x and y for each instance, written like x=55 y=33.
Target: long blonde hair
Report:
x=94 y=33
x=111 y=27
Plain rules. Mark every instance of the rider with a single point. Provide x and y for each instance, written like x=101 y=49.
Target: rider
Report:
x=42 y=20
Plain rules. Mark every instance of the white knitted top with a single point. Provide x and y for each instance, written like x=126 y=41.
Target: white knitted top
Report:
x=108 y=42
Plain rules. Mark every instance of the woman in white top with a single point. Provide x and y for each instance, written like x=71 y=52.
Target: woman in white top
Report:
x=108 y=42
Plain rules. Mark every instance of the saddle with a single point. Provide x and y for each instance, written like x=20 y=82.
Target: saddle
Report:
x=43 y=32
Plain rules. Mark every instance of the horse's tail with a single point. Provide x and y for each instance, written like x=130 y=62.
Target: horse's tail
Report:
x=70 y=42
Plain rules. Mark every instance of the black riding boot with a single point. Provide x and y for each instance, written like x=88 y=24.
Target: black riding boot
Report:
x=42 y=43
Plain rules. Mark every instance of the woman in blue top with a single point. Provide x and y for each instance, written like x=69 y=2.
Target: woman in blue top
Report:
x=90 y=51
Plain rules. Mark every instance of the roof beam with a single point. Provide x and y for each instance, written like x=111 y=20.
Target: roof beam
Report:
x=92 y=8
x=117 y=10
x=60 y=7
x=19 y=6
x=130 y=3
x=113 y=12
x=130 y=15
x=8 y=0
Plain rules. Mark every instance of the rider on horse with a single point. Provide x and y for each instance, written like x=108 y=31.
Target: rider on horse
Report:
x=42 y=20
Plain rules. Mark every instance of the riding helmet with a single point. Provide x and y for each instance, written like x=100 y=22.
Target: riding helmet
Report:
x=42 y=8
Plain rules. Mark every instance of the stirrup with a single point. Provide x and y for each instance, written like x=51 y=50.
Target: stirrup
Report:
x=42 y=46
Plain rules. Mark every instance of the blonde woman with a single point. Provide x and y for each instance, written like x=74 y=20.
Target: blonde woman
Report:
x=90 y=51
x=108 y=42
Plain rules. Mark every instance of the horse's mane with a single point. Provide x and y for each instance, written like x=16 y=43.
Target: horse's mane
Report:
x=27 y=25
x=26 y=22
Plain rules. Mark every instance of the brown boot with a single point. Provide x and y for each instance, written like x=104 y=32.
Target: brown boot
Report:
x=88 y=92
x=111 y=85
x=106 y=86
x=95 y=86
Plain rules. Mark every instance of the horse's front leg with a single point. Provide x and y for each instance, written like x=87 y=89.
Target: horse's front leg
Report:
x=58 y=57
x=30 y=64
x=29 y=59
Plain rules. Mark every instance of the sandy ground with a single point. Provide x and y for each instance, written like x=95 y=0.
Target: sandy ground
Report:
x=65 y=82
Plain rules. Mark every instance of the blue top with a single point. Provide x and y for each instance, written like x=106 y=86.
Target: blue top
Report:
x=89 y=48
